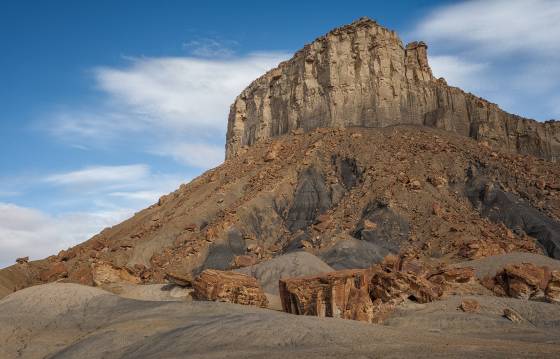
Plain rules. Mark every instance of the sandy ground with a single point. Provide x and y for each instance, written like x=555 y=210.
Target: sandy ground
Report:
x=73 y=321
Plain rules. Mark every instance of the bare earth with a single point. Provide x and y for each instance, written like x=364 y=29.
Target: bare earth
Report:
x=74 y=321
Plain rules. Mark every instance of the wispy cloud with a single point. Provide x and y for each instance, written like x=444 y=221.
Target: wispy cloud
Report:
x=82 y=202
x=169 y=106
x=509 y=51
x=211 y=48
x=457 y=71
x=29 y=232
x=100 y=174
x=194 y=154
x=498 y=27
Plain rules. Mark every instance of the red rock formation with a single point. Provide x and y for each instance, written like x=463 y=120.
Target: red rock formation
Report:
x=326 y=295
x=470 y=306
x=368 y=295
x=552 y=293
x=229 y=287
x=526 y=281
x=106 y=273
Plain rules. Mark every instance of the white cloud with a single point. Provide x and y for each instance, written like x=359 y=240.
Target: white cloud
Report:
x=101 y=174
x=80 y=204
x=103 y=188
x=210 y=48
x=164 y=105
x=509 y=51
x=498 y=26
x=457 y=71
x=201 y=155
x=30 y=232
x=182 y=93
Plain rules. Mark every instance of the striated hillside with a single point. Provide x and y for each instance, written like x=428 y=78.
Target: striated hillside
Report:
x=362 y=75
x=349 y=196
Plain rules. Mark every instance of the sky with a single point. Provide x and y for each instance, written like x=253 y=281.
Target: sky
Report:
x=107 y=105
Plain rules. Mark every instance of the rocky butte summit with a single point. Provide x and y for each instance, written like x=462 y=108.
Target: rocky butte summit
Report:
x=361 y=75
x=356 y=186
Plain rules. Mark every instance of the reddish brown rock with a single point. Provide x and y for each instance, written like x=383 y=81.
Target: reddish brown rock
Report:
x=512 y=315
x=361 y=294
x=105 y=273
x=97 y=245
x=480 y=249
x=55 y=271
x=66 y=255
x=327 y=295
x=229 y=287
x=470 y=306
x=453 y=275
x=179 y=278
x=552 y=293
x=81 y=275
x=22 y=260
x=524 y=281
x=394 y=287
x=359 y=306
x=191 y=227
x=437 y=180
x=244 y=261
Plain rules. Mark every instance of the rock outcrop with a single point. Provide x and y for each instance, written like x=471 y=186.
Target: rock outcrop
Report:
x=526 y=281
x=231 y=287
x=371 y=294
x=106 y=273
x=361 y=75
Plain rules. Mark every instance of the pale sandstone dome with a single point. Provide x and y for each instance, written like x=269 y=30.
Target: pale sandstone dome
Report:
x=362 y=75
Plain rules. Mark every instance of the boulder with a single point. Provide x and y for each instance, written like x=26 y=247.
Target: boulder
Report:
x=371 y=294
x=454 y=275
x=179 y=278
x=55 y=271
x=512 y=315
x=470 y=306
x=244 y=261
x=328 y=294
x=104 y=273
x=394 y=287
x=523 y=281
x=552 y=293
x=22 y=260
x=231 y=287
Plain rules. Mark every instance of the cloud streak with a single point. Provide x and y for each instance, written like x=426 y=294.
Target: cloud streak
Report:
x=29 y=232
x=508 y=49
x=81 y=203
x=172 y=106
x=498 y=27
x=100 y=174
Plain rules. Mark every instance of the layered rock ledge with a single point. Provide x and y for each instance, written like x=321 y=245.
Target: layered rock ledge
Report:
x=361 y=75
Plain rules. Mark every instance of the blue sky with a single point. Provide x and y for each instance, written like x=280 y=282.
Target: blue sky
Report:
x=106 y=105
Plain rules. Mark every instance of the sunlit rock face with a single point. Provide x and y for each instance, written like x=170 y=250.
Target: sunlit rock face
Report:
x=362 y=75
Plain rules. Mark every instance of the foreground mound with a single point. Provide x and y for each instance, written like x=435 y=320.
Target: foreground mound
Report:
x=104 y=325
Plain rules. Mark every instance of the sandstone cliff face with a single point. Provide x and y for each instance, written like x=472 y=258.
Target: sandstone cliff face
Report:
x=362 y=75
